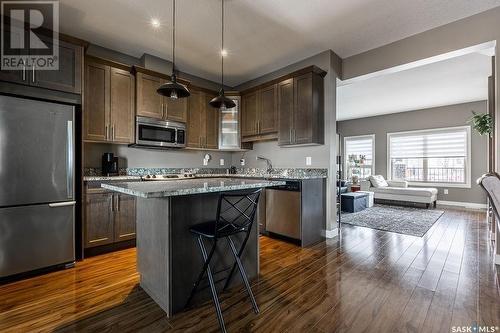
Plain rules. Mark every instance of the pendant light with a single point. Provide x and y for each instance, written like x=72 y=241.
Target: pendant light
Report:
x=221 y=101
x=173 y=89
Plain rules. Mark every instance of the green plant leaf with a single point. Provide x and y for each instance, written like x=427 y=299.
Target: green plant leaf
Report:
x=482 y=123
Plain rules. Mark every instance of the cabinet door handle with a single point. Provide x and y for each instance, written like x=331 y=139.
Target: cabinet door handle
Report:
x=291 y=136
x=33 y=74
x=117 y=203
x=106 y=136
x=112 y=207
x=24 y=72
x=112 y=132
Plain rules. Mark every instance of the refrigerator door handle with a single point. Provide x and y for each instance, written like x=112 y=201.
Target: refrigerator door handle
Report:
x=62 y=204
x=70 y=160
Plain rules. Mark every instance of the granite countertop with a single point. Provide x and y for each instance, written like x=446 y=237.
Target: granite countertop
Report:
x=259 y=176
x=158 y=189
x=94 y=174
x=108 y=178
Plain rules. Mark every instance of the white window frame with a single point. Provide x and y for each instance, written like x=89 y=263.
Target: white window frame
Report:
x=371 y=136
x=468 y=160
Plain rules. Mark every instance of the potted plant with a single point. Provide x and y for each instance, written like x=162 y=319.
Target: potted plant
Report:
x=482 y=123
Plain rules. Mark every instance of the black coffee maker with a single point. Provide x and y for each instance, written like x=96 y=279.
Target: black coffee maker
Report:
x=109 y=164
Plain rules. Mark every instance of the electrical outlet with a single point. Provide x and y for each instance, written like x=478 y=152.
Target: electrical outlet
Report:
x=308 y=160
x=221 y=161
x=205 y=162
x=445 y=191
x=242 y=162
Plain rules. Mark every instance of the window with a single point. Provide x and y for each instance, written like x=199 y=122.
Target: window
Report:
x=430 y=157
x=359 y=155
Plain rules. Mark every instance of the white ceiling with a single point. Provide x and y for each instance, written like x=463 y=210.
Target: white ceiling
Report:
x=453 y=81
x=261 y=35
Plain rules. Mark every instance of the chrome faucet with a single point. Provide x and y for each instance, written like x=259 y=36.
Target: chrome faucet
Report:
x=268 y=163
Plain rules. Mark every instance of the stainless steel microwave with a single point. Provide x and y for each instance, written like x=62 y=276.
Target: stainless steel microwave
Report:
x=154 y=133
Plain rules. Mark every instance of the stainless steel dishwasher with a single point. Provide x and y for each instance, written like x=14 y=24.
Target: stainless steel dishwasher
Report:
x=283 y=216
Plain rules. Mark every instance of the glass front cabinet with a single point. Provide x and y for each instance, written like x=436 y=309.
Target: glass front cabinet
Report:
x=229 y=126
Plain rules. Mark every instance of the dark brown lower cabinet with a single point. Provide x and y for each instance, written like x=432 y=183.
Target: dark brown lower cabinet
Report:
x=125 y=217
x=109 y=218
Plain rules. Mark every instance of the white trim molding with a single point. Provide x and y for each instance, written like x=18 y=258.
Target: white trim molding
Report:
x=470 y=205
x=330 y=233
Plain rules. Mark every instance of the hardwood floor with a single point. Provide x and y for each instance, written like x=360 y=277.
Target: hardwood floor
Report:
x=364 y=281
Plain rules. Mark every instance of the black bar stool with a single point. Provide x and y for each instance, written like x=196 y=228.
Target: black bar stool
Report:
x=235 y=215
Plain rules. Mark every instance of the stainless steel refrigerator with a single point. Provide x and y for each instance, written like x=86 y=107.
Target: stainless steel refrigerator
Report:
x=37 y=207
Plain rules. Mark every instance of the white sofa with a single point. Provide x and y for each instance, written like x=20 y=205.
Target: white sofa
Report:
x=399 y=191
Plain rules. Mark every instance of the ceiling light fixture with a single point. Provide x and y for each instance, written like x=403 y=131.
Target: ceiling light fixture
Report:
x=221 y=101
x=155 y=23
x=173 y=89
x=223 y=53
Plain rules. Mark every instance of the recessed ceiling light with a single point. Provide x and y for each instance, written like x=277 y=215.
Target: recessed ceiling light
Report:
x=223 y=52
x=155 y=23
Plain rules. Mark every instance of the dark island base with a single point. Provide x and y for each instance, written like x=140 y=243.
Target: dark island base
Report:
x=168 y=256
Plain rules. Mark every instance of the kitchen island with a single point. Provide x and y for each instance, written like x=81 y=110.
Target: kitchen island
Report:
x=168 y=259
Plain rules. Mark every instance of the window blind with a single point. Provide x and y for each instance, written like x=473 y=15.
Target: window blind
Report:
x=426 y=144
x=359 y=146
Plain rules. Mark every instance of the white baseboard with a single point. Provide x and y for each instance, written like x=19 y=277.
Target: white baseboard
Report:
x=497 y=259
x=470 y=205
x=330 y=233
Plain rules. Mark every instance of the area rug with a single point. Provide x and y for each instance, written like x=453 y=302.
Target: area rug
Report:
x=403 y=220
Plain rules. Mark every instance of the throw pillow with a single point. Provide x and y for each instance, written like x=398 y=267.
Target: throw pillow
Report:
x=378 y=181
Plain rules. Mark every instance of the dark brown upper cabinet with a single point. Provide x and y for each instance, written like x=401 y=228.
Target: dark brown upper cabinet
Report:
x=259 y=114
x=212 y=124
x=68 y=78
x=301 y=108
x=285 y=105
x=203 y=121
x=109 y=100
x=249 y=116
x=176 y=109
x=290 y=108
x=268 y=110
x=150 y=104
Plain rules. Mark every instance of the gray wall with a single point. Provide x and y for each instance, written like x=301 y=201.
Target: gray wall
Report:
x=446 y=116
x=136 y=157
